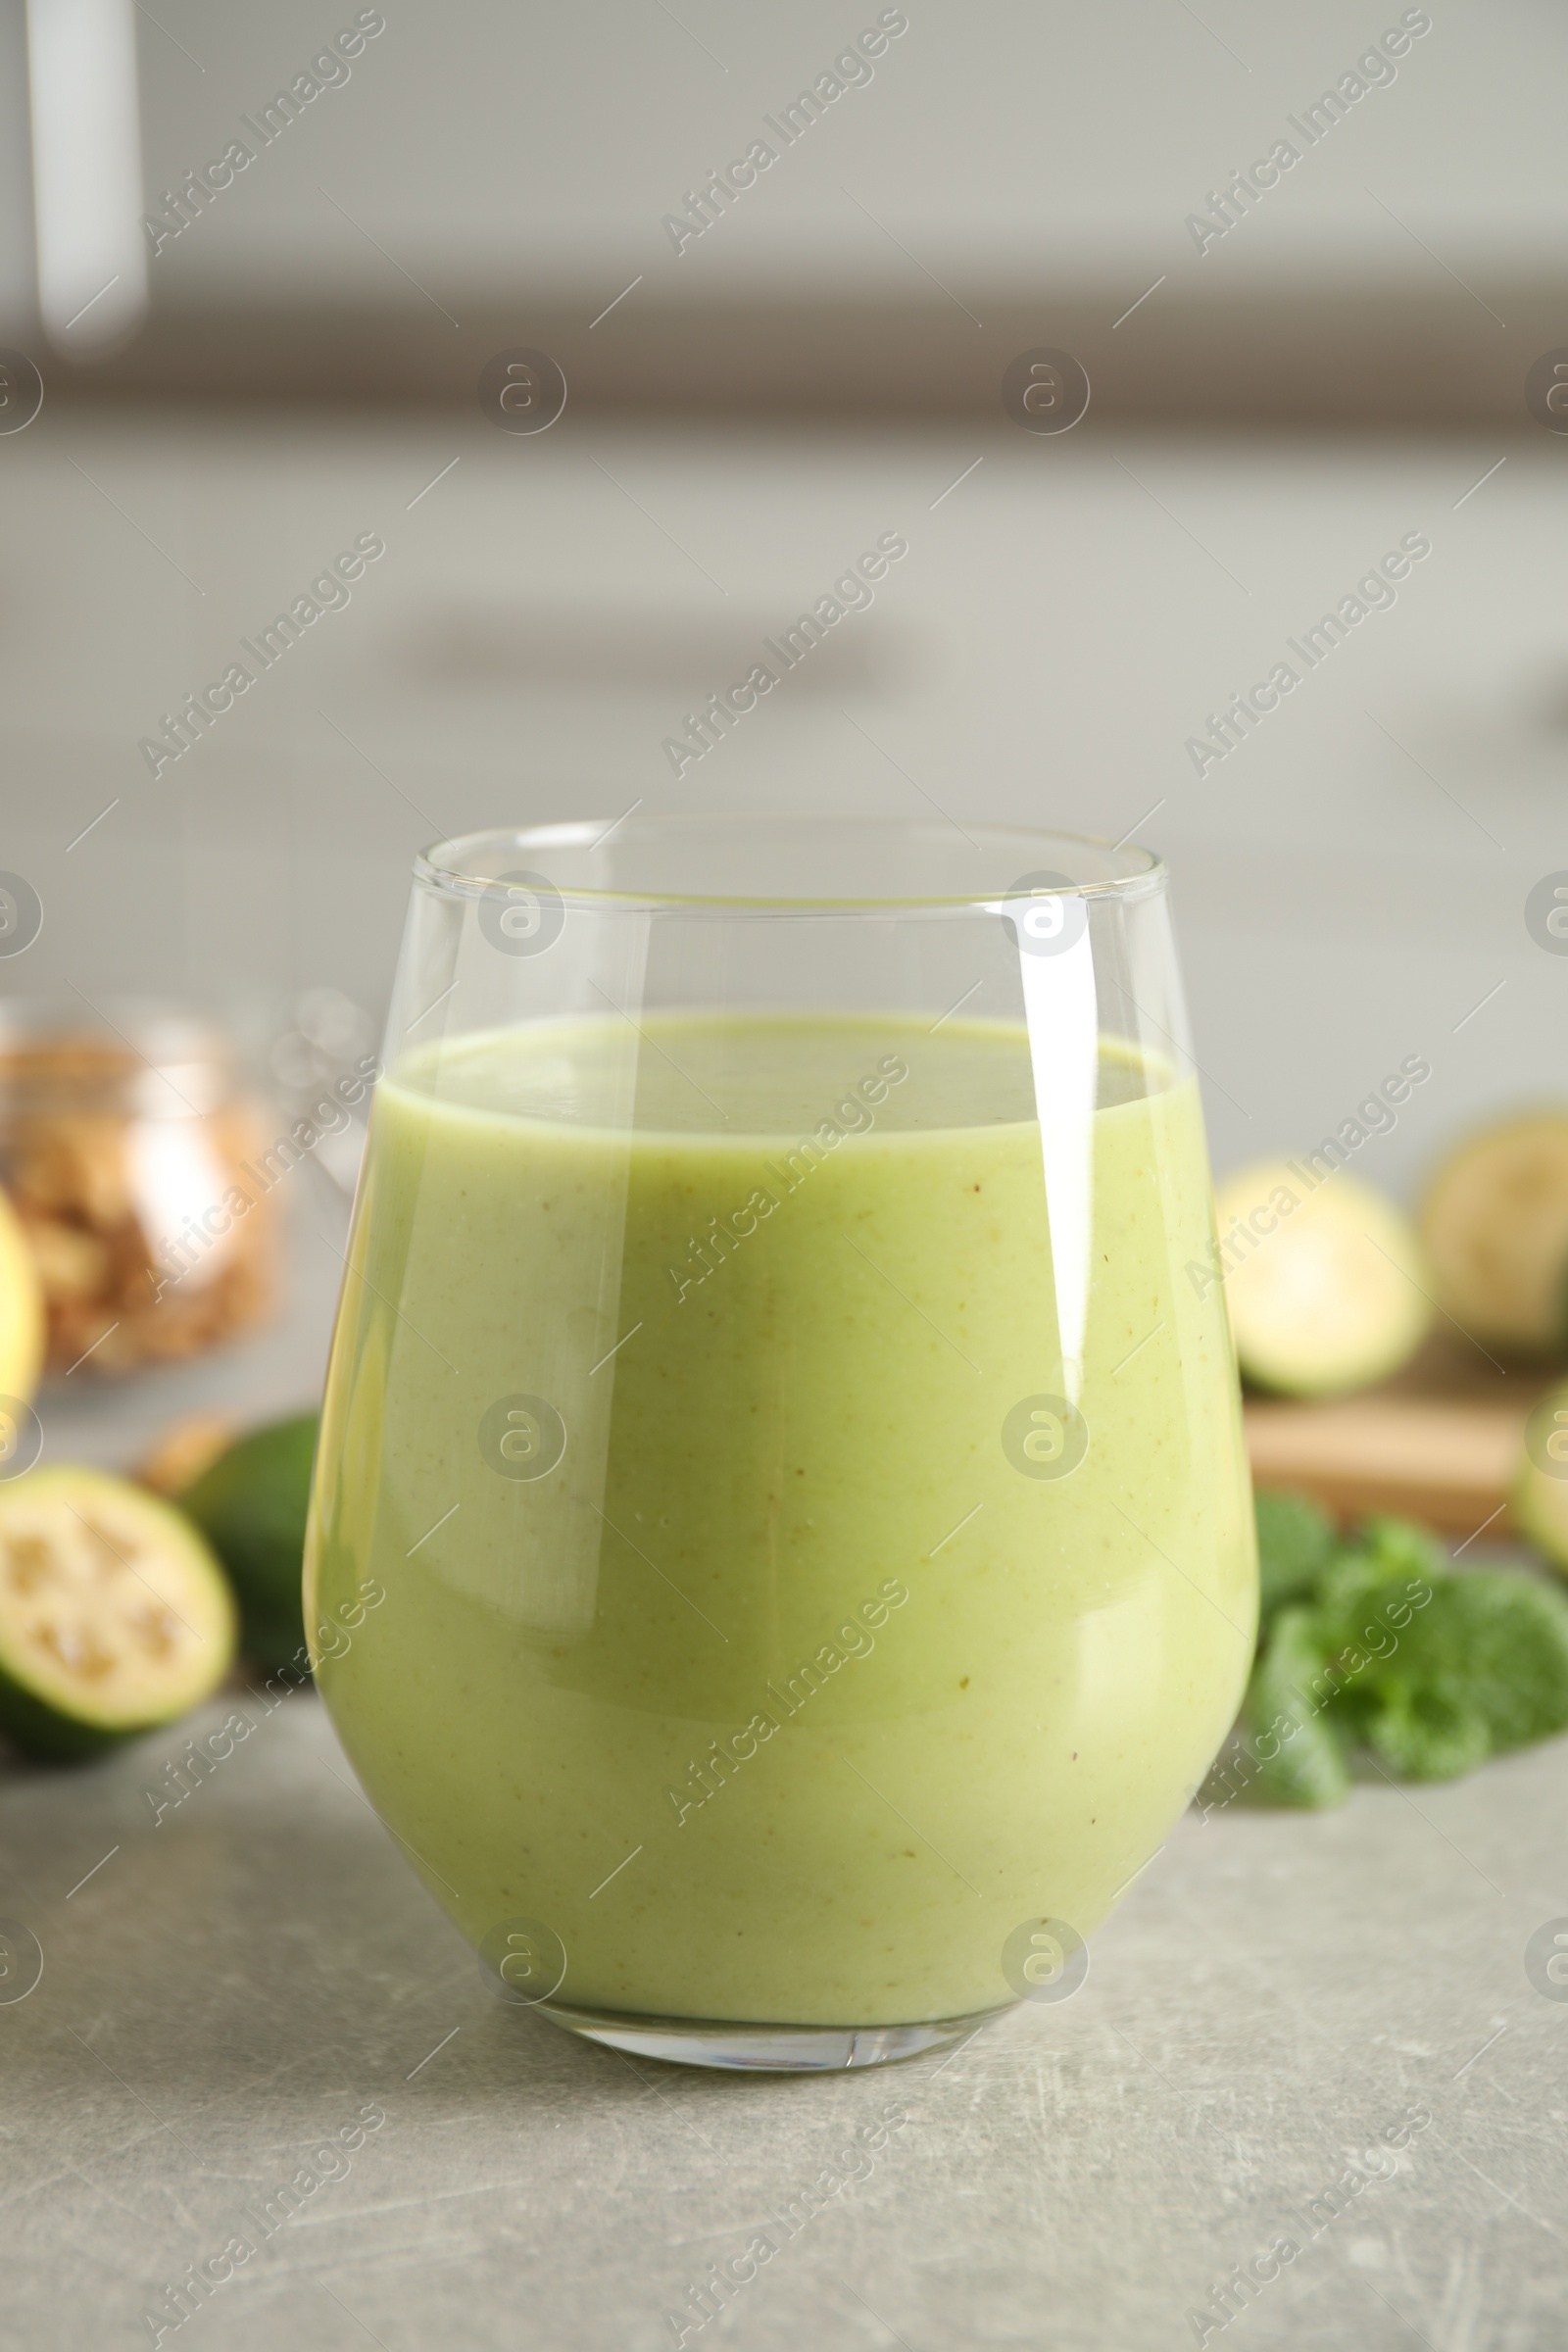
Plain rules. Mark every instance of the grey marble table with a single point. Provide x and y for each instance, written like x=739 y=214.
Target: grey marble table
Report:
x=227 y=1989
x=234 y=1994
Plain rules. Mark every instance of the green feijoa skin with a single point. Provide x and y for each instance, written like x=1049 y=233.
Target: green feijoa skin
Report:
x=115 y=1617
x=251 y=1505
x=1495 y=1223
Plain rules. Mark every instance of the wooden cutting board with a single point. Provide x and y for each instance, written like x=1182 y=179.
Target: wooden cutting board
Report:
x=1440 y=1442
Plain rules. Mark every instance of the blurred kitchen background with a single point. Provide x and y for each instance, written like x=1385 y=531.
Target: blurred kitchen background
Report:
x=299 y=365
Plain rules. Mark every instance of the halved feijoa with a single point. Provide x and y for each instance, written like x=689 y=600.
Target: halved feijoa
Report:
x=115 y=1617
x=1324 y=1280
x=1494 y=1222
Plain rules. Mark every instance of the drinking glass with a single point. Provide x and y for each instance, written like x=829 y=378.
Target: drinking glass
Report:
x=781 y=1554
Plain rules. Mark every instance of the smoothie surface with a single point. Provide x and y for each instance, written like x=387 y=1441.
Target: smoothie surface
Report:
x=771 y=1076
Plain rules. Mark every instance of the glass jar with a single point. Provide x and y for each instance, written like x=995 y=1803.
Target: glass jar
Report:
x=142 y=1172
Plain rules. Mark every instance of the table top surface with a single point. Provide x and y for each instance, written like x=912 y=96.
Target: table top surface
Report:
x=233 y=1991
x=236 y=1987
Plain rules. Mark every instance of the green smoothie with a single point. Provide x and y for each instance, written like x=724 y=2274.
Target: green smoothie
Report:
x=733 y=1629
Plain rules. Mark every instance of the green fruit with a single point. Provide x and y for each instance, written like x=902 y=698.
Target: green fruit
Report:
x=1324 y=1281
x=251 y=1506
x=1495 y=1223
x=114 y=1618
x=1540 y=1497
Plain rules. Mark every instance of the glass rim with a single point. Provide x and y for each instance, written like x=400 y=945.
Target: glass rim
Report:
x=441 y=866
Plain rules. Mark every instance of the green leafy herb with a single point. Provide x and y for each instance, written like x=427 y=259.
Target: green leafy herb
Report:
x=1299 y=1747
x=1295 y=1543
x=1381 y=1644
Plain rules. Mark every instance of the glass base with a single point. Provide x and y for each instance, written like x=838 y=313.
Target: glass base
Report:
x=763 y=2049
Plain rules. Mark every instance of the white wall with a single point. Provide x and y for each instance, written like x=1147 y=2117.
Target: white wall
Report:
x=999 y=141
